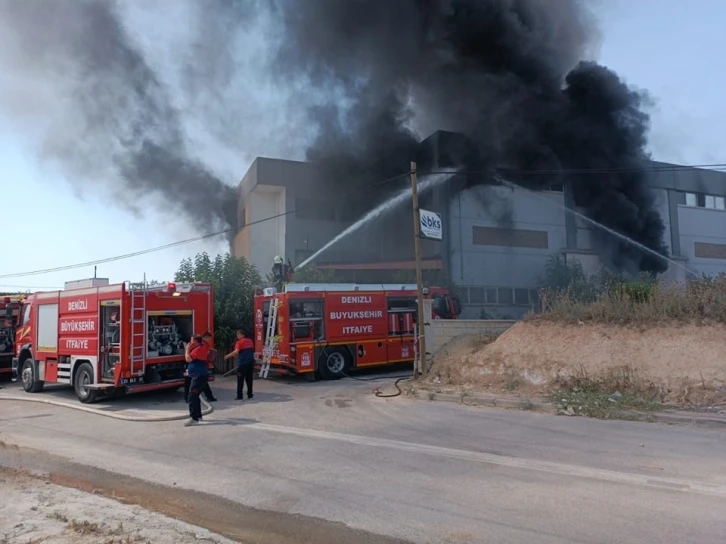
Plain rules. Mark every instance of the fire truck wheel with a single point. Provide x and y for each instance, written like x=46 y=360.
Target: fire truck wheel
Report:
x=84 y=377
x=30 y=382
x=334 y=363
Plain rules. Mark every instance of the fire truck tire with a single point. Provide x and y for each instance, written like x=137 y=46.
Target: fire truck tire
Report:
x=29 y=377
x=84 y=376
x=334 y=363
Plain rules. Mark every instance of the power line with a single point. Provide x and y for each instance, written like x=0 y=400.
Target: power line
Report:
x=22 y=287
x=183 y=242
x=719 y=167
x=664 y=168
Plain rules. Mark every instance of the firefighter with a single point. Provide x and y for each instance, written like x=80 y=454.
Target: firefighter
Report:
x=207 y=391
x=244 y=350
x=278 y=271
x=196 y=354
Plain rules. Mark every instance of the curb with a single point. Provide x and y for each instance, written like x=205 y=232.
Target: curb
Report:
x=83 y=408
x=480 y=400
x=687 y=418
x=706 y=420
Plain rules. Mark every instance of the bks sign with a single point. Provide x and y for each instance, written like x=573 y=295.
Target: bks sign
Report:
x=431 y=225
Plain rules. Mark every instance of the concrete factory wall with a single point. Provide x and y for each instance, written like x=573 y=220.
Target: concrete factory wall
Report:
x=313 y=216
x=266 y=242
x=316 y=213
x=391 y=237
x=703 y=238
x=439 y=332
x=496 y=239
x=500 y=240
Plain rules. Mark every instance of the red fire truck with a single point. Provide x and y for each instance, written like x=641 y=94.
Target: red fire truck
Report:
x=102 y=338
x=9 y=312
x=328 y=329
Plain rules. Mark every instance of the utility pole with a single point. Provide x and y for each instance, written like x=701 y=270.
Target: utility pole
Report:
x=421 y=340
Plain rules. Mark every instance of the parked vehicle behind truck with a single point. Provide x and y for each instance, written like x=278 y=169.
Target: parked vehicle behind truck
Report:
x=104 y=338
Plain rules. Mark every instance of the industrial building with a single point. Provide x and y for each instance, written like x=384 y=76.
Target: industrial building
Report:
x=497 y=239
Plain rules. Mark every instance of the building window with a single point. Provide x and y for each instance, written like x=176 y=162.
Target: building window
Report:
x=477 y=295
x=491 y=296
x=700 y=200
x=494 y=236
x=704 y=250
x=502 y=295
x=505 y=295
x=521 y=297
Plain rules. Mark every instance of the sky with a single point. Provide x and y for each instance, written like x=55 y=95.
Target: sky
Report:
x=671 y=48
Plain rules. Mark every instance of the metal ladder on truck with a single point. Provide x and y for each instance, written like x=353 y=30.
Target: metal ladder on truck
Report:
x=269 y=346
x=139 y=328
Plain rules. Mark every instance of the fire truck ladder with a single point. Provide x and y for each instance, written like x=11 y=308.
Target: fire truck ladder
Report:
x=139 y=328
x=267 y=350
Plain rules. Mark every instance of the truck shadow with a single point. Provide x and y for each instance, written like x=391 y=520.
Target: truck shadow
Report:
x=378 y=373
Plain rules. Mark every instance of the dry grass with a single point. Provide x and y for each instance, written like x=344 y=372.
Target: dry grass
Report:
x=618 y=393
x=58 y=516
x=639 y=303
x=478 y=341
x=85 y=527
x=105 y=534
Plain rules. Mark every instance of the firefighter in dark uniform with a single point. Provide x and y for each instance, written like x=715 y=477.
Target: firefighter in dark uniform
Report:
x=244 y=350
x=207 y=337
x=197 y=356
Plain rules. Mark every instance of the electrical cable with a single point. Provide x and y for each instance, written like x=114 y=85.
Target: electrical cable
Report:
x=22 y=287
x=717 y=167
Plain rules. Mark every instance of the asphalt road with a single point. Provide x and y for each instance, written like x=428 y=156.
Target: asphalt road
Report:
x=417 y=471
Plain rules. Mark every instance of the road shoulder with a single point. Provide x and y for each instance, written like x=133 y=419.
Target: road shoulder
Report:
x=215 y=514
x=708 y=419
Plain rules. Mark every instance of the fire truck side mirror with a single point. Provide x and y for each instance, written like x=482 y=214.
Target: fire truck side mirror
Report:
x=8 y=311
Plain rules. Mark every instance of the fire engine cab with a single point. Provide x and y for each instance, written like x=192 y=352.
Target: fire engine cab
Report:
x=329 y=329
x=103 y=338
x=9 y=312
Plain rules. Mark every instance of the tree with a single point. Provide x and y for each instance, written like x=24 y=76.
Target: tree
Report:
x=234 y=280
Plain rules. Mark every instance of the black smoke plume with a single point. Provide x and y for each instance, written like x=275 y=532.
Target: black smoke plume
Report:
x=112 y=117
x=512 y=75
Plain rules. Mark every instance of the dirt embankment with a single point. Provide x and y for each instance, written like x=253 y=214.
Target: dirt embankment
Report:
x=678 y=365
